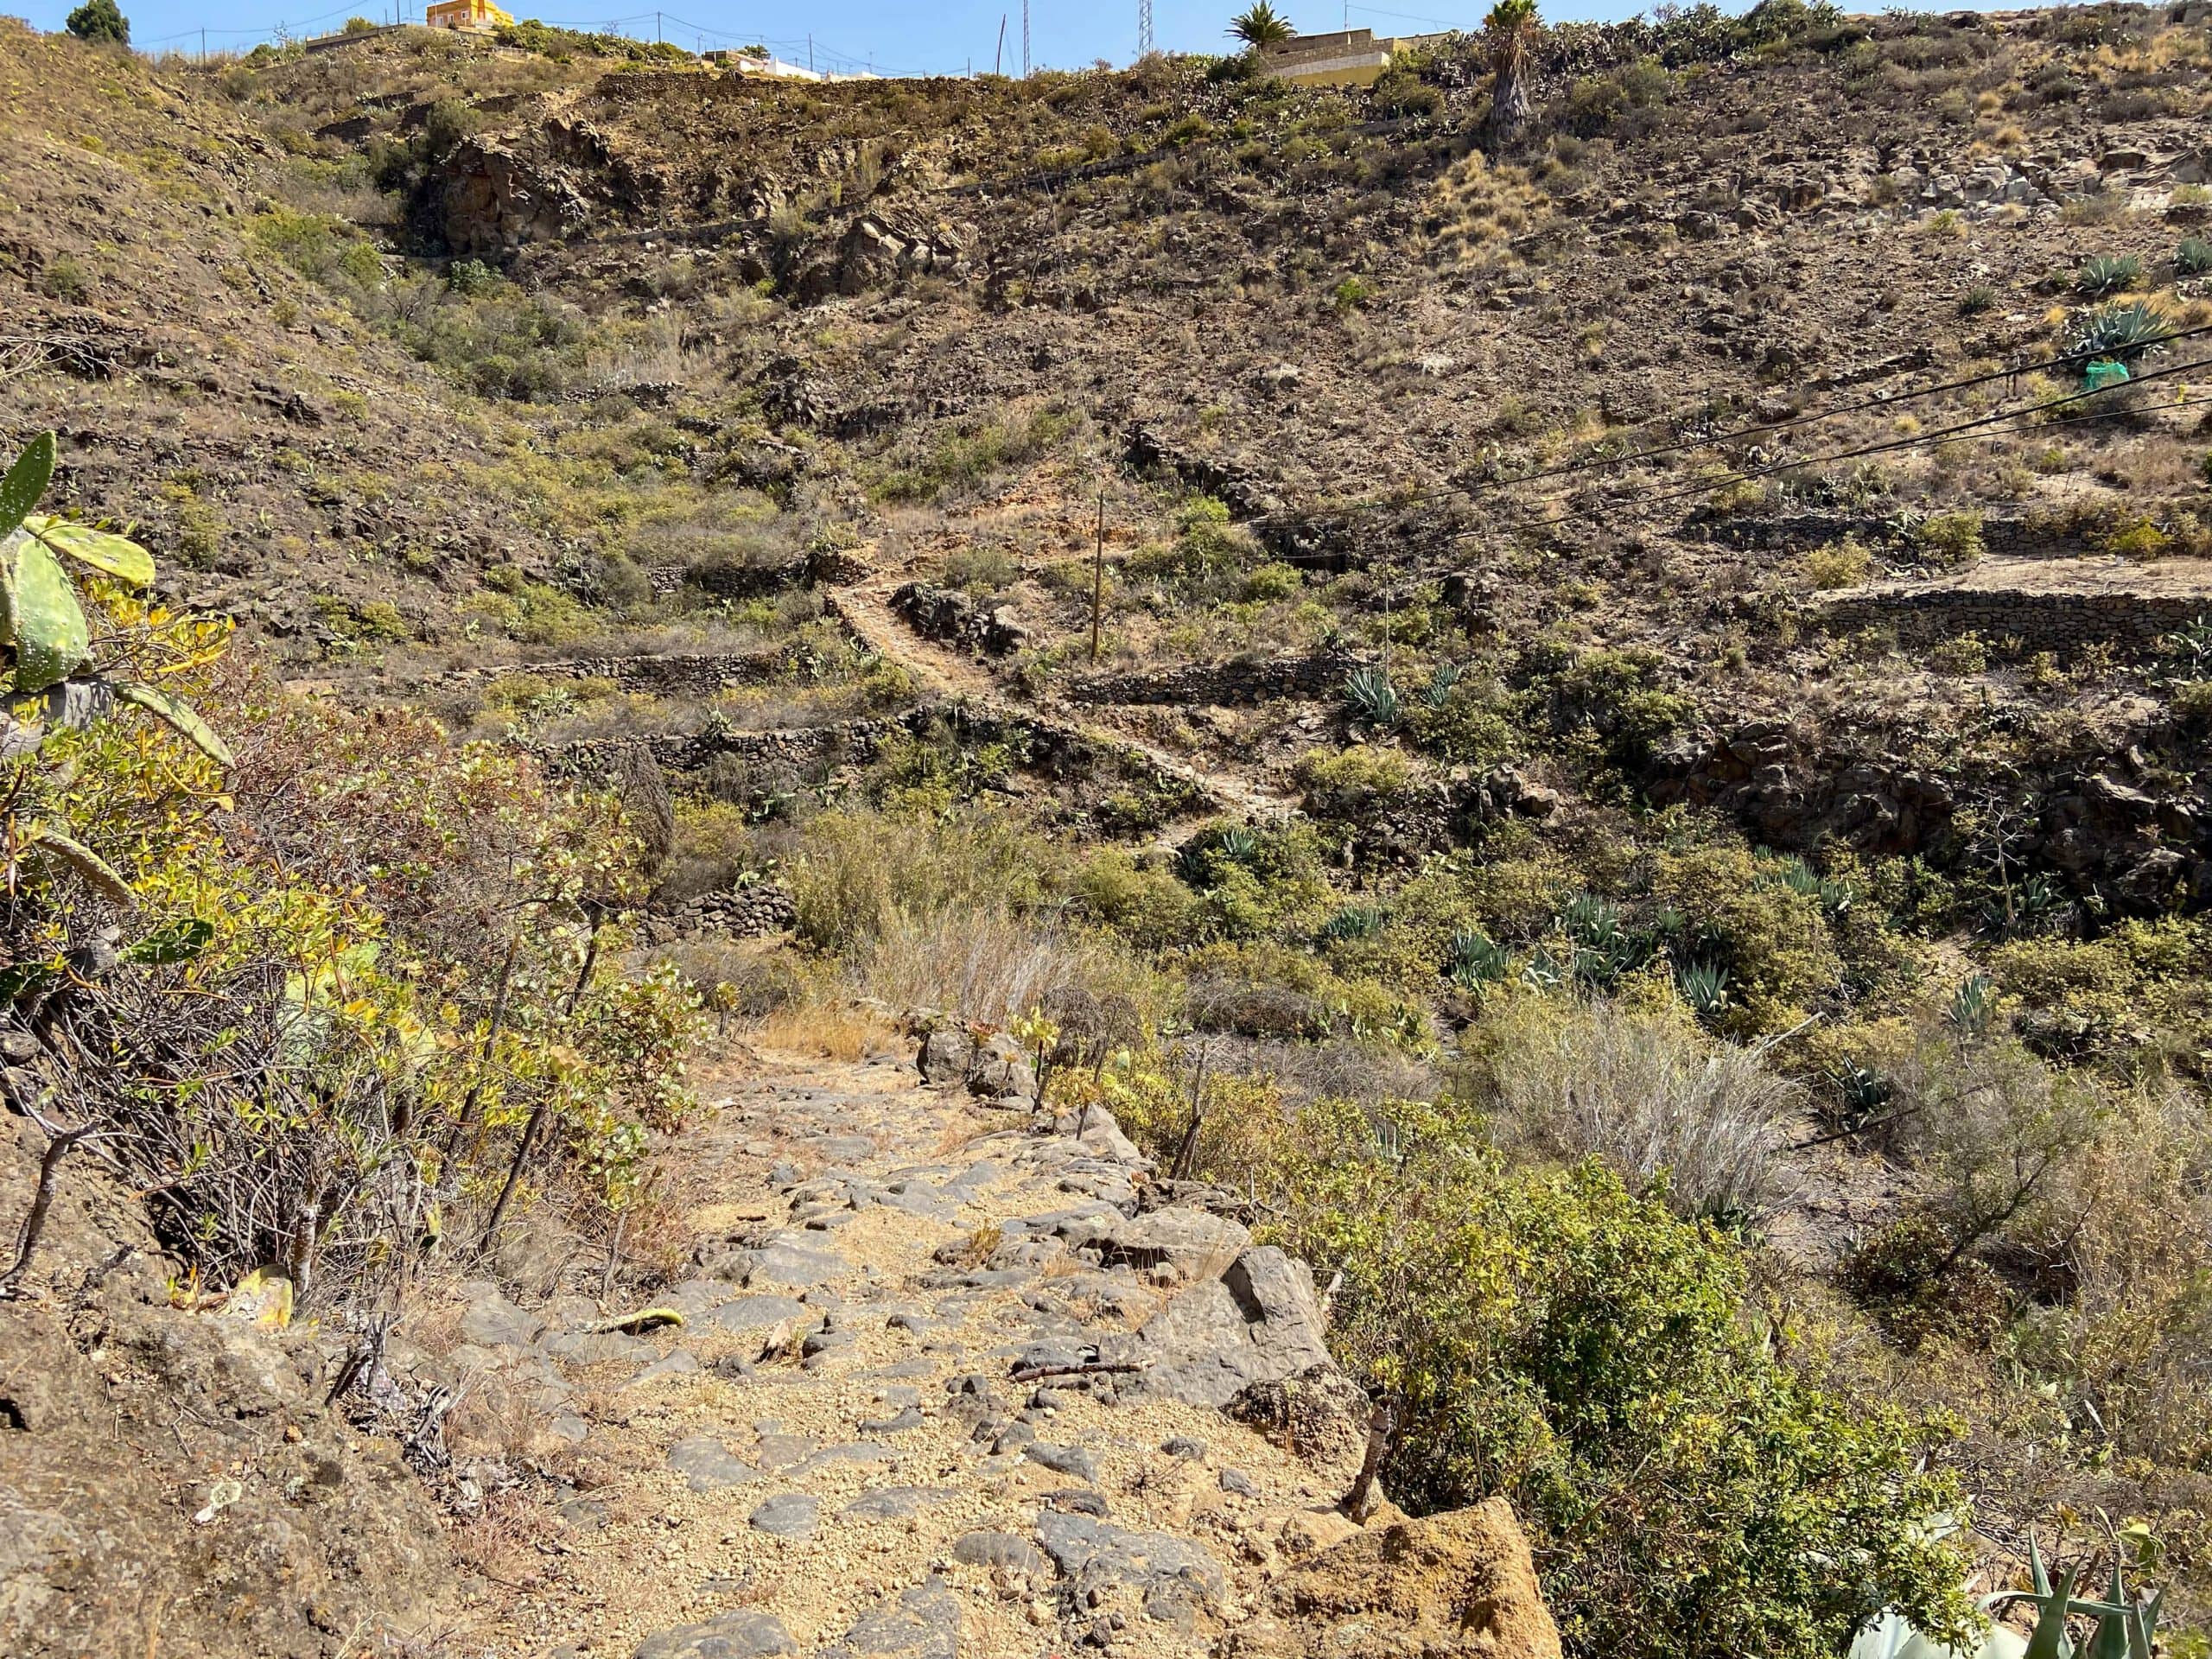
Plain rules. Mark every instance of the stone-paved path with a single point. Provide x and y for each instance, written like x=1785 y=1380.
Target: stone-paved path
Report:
x=833 y=1456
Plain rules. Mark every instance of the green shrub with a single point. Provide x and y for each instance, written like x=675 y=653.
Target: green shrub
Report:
x=1352 y=784
x=1772 y=940
x=1553 y=1339
x=1840 y=564
x=100 y=20
x=1951 y=540
x=1399 y=91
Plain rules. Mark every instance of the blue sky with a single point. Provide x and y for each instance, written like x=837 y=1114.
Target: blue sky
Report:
x=895 y=35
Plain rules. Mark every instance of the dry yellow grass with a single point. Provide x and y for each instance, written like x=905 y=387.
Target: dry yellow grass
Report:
x=825 y=1031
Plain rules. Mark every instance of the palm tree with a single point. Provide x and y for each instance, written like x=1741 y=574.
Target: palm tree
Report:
x=1263 y=26
x=1511 y=28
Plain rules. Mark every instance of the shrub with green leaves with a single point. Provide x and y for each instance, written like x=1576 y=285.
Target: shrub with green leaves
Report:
x=1554 y=1339
x=102 y=20
x=2193 y=257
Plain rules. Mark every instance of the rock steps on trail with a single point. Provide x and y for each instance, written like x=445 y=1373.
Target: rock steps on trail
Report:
x=941 y=1389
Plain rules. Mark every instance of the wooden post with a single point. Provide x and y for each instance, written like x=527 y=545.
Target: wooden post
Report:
x=1098 y=580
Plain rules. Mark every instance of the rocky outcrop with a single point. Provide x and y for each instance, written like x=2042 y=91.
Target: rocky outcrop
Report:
x=489 y=200
x=1754 y=774
x=882 y=247
x=1259 y=1322
x=992 y=1067
x=175 y=1479
x=1243 y=680
x=952 y=618
x=1457 y=1586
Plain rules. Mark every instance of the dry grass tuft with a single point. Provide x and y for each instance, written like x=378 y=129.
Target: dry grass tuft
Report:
x=827 y=1031
x=1647 y=1094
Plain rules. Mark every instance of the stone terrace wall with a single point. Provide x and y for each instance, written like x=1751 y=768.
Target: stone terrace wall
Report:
x=2040 y=621
x=1054 y=748
x=681 y=674
x=1223 y=684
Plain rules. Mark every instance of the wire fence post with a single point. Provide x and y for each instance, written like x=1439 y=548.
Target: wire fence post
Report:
x=1098 y=578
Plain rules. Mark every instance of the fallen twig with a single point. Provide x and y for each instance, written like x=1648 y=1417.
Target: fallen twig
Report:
x=1031 y=1373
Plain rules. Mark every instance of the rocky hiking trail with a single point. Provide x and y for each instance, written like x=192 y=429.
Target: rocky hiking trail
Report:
x=865 y=611
x=946 y=1385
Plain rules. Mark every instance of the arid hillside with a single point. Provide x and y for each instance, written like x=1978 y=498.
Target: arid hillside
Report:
x=1628 y=690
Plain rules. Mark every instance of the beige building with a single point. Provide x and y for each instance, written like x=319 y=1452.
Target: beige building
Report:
x=1349 y=57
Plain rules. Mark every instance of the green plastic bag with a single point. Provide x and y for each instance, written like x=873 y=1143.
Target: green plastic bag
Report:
x=2106 y=372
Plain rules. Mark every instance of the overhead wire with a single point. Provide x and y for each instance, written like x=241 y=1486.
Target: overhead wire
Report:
x=1890 y=400
x=1813 y=417
x=1918 y=439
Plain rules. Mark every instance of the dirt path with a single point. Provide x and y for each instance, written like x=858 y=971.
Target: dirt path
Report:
x=865 y=609
x=836 y=1455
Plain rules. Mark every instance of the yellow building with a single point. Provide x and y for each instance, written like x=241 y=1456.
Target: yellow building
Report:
x=477 y=15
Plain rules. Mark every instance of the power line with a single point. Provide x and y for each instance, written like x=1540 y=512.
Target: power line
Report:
x=1884 y=401
x=1942 y=433
x=1594 y=463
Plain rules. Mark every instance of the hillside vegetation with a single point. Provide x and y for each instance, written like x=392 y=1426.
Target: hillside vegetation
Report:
x=1598 y=724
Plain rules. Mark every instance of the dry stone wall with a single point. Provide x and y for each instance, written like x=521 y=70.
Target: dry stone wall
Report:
x=2059 y=622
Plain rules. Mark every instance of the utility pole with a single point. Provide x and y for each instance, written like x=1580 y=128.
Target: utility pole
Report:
x=998 y=58
x=1024 y=39
x=1144 y=28
x=1098 y=578
x=657 y=29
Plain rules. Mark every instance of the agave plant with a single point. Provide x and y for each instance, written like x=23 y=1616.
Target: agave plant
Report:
x=1440 y=683
x=1232 y=843
x=2117 y=333
x=1353 y=922
x=51 y=683
x=1862 y=1091
x=1705 y=987
x=2126 y=1628
x=2193 y=257
x=1835 y=897
x=1370 y=699
x=2106 y=274
x=1971 y=1007
x=1474 y=959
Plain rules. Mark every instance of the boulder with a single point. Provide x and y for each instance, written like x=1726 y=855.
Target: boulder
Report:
x=1196 y=1242
x=1455 y=1585
x=924 y=1622
x=1259 y=1322
x=999 y=1070
x=740 y=1634
x=1165 y=1578
x=944 y=1055
x=1320 y=1414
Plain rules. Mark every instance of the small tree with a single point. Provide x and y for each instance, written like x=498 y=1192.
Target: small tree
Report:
x=1261 y=26
x=100 y=20
x=1510 y=30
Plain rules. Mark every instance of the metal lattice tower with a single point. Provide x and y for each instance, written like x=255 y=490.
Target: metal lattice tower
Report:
x=1024 y=39
x=1144 y=28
